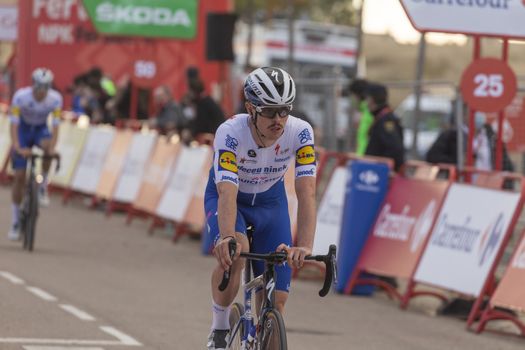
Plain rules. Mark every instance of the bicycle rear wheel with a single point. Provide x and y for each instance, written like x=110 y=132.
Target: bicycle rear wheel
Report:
x=236 y=327
x=273 y=333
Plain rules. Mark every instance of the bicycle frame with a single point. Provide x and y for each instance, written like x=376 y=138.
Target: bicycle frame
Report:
x=264 y=282
x=30 y=210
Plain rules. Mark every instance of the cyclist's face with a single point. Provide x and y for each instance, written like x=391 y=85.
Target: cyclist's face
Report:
x=40 y=92
x=271 y=120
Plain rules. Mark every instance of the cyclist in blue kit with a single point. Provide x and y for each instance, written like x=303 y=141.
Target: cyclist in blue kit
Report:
x=252 y=152
x=30 y=109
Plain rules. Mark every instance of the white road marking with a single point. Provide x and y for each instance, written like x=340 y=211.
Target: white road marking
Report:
x=42 y=294
x=84 y=316
x=124 y=338
x=11 y=278
x=60 y=342
x=38 y=347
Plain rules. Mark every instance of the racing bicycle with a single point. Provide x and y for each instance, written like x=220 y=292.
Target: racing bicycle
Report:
x=269 y=333
x=29 y=207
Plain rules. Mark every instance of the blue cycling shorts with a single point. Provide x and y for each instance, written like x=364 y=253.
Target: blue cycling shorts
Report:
x=268 y=213
x=28 y=136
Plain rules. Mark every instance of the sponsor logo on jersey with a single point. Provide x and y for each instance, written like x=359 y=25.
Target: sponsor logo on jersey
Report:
x=229 y=178
x=247 y=161
x=277 y=148
x=252 y=153
x=227 y=161
x=231 y=142
x=306 y=173
x=285 y=159
x=304 y=136
x=305 y=155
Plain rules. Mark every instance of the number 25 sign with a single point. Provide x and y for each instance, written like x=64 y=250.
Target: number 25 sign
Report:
x=488 y=85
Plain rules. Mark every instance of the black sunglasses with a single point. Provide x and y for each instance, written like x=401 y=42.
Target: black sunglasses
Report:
x=270 y=112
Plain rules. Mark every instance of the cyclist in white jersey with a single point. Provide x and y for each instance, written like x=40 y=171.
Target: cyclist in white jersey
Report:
x=252 y=152
x=29 y=113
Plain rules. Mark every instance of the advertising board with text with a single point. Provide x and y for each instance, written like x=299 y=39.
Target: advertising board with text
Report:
x=330 y=212
x=402 y=227
x=501 y=18
x=8 y=23
x=149 y=18
x=511 y=289
x=58 y=34
x=89 y=168
x=130 y=179
x=466 y=238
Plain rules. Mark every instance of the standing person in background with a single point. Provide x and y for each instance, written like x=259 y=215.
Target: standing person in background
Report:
x=204 y=115
x=386 y=132
x=485 y=146
x=169 y=118
x=358 y=89
x=30 y=110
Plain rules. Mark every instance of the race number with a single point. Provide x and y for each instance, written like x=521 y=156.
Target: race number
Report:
x=488 y=85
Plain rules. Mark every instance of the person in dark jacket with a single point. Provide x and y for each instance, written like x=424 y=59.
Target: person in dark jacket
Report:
x=444 y=149
x=386 y=132
x=202 y=113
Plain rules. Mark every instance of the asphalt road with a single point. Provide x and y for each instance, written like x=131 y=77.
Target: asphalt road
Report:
x=94 y=283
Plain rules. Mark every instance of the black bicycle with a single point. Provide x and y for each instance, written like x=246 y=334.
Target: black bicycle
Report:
x=269 y=333
x=29 y=207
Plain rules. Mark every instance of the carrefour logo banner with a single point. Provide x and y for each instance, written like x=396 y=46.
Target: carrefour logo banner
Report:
x=466 y=238
x=502 y=18
x=148 y=18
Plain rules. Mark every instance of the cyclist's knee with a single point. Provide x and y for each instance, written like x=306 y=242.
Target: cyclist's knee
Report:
x=19 y=179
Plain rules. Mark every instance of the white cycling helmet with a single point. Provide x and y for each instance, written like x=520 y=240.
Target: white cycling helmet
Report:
x=42 y=77
x=269 y=86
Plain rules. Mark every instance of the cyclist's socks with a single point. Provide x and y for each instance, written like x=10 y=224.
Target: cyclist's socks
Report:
x=16 y=213
x=221 y=316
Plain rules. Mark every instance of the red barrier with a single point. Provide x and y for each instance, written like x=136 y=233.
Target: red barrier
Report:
x=488 y=243
x=509 y=293
x=402 y=227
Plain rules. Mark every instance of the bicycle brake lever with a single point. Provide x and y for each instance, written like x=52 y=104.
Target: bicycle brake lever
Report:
x=232 y=247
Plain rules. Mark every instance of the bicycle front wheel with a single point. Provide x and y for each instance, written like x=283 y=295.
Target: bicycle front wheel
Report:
x=32 y=215
x=236 y=326
x=272 y=336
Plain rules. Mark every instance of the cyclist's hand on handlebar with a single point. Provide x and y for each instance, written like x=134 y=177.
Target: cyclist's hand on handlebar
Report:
x=222 y=252
x=24 y=152
x=296 y=255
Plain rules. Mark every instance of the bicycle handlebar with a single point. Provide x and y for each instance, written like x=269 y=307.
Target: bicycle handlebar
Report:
x=279 y=257
x=55 y=156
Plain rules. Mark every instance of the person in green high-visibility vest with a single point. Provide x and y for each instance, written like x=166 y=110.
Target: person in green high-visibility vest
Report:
x=358 y=89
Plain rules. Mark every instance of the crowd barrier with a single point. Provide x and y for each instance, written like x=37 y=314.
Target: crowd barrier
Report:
x=434 y=228
x=468 y=238
x=509 y=293
x=5 y=145
x=401 y=228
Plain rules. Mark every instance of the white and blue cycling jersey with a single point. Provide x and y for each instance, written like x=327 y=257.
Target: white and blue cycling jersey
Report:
x=238 y=159
x=26 y=110
x=31 y=117
x=259 y=175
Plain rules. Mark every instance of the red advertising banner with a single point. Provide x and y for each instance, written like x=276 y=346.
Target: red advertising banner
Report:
x=511 y=289
x=402 y=227
x=59 y=35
